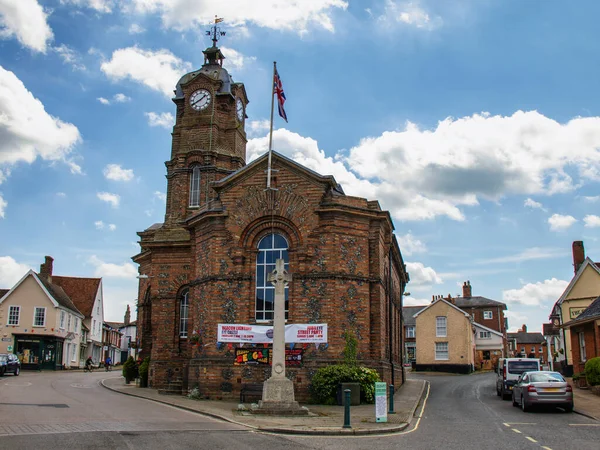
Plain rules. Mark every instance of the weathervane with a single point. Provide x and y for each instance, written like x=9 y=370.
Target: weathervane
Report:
x=215 y=31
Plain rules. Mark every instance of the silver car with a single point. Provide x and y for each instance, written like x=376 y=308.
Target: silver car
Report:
x=542 y=388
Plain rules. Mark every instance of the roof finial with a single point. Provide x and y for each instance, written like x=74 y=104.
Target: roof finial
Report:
x=215 y=31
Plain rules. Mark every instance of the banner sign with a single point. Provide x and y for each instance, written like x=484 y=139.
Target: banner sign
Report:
x=574 y=312
x=263 y=334
x=264 y=356
x=380 y=402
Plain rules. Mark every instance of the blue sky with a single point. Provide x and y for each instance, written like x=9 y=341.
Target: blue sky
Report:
x=475 y=123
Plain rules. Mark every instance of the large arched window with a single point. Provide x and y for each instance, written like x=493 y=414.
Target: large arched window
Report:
x=184 y=307
x=195 y=187
x=270 y=249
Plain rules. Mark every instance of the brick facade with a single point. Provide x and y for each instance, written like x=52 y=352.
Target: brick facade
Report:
x=346 y=265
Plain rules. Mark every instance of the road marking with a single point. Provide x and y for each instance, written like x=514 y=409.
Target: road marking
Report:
x=546 y=448
x=508 y=424
x=531 y=439
x=584 y=424
x=516 y=431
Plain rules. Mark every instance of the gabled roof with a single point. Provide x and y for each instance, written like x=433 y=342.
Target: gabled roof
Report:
x=527 y=338
x=447 y=303
x=3 y=292
x=476 y=302
x=478 y=325
x=575 y=279
x=592 y=312
x=81 y=290
x=408 y=313
x=55 y=293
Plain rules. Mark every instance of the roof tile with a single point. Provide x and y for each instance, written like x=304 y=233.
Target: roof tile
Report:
x=81 y=290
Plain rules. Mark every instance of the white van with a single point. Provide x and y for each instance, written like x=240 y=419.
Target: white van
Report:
x=508 y=372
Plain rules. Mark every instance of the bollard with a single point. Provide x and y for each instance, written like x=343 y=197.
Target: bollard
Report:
x=391 y=408
x=347 y=408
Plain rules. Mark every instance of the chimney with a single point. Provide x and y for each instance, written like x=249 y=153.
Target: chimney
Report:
x=46 y=268
x=467 y=289
x=127 y=316
x=524 y=329
x=578 y=255
x=449 y=299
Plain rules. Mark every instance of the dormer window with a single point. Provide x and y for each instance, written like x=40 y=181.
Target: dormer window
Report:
x=195 y=187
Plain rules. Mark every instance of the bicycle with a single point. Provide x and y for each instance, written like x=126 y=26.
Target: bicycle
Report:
x=88 y=368
x=108 y=367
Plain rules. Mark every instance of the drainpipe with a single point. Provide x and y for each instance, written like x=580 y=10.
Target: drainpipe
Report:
x=391 y=303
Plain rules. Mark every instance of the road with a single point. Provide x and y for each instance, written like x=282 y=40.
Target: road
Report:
x=55 y=410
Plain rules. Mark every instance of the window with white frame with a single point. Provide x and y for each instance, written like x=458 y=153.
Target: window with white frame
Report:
x=541 y=349
x=195 y=187
x=74 y=353
x=76 y=324
x=184 y=305
x=270 y=248
x=14 y=314
x=94 y=327
x=523 y=350
x=410 y=332
x=485 y=335
x=488 y=315
x=440 y=326
x=69 y=323
x=582 y=355
x=39 y=317
x=62 y=320
x=441 y=351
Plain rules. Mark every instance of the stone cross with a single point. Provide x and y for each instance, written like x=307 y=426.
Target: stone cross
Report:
x=280 y=279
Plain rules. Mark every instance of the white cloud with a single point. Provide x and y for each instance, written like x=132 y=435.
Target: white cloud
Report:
x=275 y=14
x=536 y=294
x=61 y=194
x=69 y=56
x=411 y=301
x=530 y=203
x=27 y=131
x=112 y=199
x=165 y=120
x=256 y=127
x=159 y=70
x=121 y=98
x=410 y=13
x=592 y=199
x=3 y=205
x=409 y=244
x=528 y=254
x=134 y=28
x=109 y=270
x=421 y=276
x=161 y=196
x=112 y=227
x=11 y=271
x=99 y=225
x=559 y=222
x=117 y=173
x=517 y=318
x=101 y=6
x=592 y=221
x=103 y=100
x=235 y=60
x=27 y=21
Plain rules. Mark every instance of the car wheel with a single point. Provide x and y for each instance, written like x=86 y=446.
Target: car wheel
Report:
x=514 y=400
x=524 y=407
x=2 y=372
x=17 y=371
x=569 y=408
x=498 y=393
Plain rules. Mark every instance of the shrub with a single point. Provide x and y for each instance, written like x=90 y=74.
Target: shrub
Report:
x=350 y=349
x=326 y=380
x=129 y=369
x=592 y=371
x=578 y=375
x=144 y=366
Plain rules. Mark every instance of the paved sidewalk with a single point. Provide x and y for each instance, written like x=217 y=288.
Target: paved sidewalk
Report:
x=586 y=403
x=322 y=420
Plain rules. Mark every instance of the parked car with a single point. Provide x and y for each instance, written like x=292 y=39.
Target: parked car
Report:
x=9 y=363
x=508 y=372
x=542 y=388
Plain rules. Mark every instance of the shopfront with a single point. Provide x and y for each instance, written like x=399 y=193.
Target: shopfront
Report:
x=39 y=352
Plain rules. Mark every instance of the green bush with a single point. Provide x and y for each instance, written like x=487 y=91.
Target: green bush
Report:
x=144 y=366
x=325 y=382
x=592 y=371
x=578 y=375
x=129 y=369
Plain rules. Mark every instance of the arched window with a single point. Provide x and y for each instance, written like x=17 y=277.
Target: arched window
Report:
x=195 y=187
x=270 y=249
x=184 y=307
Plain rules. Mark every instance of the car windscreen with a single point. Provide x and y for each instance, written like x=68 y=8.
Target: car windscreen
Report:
x=551 y=377
x=518 y=367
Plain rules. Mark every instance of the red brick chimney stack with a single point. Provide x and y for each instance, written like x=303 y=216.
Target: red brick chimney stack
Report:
x=127 y=316
x=46 y=268
x=524 y=329
x=578 y=255
x=467 y=289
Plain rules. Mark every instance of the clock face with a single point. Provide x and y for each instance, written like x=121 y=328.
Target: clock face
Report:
x=200 y=99
x=239 y=109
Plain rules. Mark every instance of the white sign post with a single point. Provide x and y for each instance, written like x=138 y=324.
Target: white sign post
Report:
x=380 y=402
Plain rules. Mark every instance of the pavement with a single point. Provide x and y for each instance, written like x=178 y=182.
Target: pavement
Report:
x=586 y=403
x=321 y=420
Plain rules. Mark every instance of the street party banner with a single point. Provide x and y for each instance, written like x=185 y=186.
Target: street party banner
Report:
x=264 y=356
x=263 y=334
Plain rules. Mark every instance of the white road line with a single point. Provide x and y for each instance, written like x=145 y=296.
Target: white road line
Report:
x=531 y=439
x=508 y=424
x=546 y=448
x=516 y=431
x=584 y=424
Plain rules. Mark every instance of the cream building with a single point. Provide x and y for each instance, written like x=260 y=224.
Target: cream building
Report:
x=445 y=336
x=39 y=323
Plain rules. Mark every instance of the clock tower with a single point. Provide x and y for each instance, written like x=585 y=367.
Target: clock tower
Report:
x=209 y=139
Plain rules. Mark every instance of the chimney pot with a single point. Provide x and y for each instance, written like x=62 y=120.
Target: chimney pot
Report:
x=524 y=329
x=46 y=268
x=578 y=255
x=467 y=292
x=127 y=316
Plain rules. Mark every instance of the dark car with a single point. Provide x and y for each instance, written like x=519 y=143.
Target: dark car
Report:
x=542 y=388
x=9 y=363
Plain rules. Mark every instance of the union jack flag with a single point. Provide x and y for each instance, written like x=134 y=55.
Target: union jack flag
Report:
x=278 y=89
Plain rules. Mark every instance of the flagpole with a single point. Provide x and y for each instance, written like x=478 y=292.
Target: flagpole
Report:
x=271 y=129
